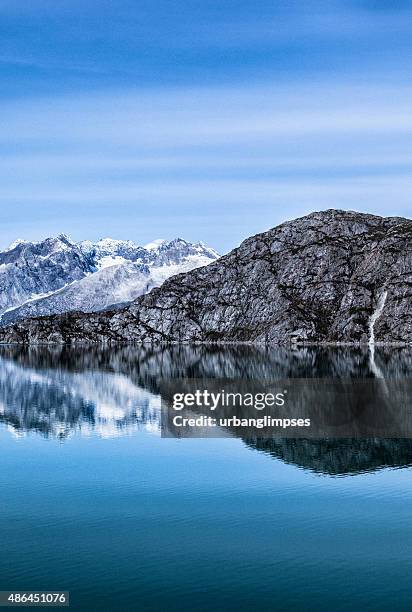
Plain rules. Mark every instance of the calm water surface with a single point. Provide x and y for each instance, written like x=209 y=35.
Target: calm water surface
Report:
x=93 y=500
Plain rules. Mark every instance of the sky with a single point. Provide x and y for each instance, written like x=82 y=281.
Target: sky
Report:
x=207 y=120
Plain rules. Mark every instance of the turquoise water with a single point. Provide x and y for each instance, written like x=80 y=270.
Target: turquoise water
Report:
x=94 y=501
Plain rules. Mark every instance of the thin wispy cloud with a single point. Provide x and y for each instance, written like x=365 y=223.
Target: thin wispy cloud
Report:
x=222 y=120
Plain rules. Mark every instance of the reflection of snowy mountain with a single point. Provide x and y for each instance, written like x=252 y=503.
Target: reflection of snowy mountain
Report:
x=58 y=402
x=58 y=275
x=114 y=390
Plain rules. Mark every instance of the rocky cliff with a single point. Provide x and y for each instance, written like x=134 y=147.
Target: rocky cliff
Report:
x=331 y=276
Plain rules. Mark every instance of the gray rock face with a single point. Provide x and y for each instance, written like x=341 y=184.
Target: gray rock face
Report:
x=331 y=276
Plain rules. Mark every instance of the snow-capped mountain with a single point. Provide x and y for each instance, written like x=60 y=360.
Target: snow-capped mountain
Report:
x=58 y=275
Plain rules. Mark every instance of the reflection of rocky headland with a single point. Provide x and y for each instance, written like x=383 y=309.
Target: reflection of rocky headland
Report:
x=339 y=457
x=110 y=391
x=147 y=364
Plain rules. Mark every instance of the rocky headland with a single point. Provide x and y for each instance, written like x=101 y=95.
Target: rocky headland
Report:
x=328 y=277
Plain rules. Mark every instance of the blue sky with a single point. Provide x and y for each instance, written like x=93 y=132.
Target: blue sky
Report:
x=208 y=120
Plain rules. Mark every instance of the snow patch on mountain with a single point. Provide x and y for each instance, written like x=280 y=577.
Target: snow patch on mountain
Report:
x=108 y=261
x=162 y=273
x=151 y=246
x=16 y=243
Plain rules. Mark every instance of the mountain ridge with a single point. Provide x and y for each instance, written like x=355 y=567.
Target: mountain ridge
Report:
x=316 y=279
x=59 y=275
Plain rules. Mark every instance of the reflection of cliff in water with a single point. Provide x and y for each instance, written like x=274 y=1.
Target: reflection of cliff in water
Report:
x=57 y=391
x=338 y=457
x=147 y=364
